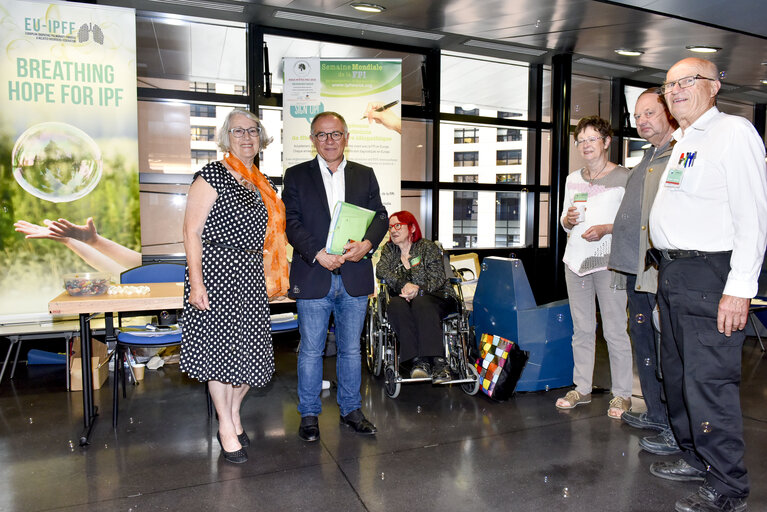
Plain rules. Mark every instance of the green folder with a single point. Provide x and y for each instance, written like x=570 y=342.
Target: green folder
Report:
x=349 y=222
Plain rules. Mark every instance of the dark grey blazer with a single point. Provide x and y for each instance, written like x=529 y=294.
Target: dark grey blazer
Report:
x=308 y=222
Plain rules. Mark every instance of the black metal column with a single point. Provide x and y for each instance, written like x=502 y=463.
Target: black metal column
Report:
x=760 y=118
x=561 y=95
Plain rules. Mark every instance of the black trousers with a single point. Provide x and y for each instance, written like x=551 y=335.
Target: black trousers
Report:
x=418 y=324
x=701 y=370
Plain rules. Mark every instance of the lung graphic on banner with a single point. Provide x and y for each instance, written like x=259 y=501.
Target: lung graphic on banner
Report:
x=68 y=148
x=352 y=88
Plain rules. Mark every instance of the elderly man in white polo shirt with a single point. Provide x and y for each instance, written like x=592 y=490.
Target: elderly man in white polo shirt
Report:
x=709 y=229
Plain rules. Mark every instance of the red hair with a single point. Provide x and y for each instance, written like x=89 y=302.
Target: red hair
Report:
x=405 y=217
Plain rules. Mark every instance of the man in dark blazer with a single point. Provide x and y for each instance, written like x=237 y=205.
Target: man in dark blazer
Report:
x=323 y=283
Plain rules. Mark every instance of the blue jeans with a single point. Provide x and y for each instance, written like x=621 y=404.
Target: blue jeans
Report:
x=643 y=336
x=313 y=316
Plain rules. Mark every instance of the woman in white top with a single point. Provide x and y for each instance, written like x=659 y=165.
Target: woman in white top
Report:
x=592 y=197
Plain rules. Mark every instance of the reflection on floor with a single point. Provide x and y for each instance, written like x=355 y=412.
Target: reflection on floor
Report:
x=437 y=449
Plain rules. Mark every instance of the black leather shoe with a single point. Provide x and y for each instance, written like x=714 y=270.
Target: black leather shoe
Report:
x=243 y=439
x=708 y=499
x=679 y=471
x=662 y=444
x=235 y=457
x=359 y=423
x=641 y=420
x=309 y=430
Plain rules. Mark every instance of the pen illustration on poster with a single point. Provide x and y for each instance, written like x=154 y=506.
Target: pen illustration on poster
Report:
x=367 y=93
x=68 y=148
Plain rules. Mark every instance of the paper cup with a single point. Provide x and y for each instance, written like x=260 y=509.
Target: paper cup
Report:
x=581 y=209
x=138 y=371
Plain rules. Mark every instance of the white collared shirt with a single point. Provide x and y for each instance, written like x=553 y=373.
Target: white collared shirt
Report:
x=720 y=203
x=335 y=182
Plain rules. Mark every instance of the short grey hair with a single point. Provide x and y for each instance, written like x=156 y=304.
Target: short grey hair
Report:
x=223 y=133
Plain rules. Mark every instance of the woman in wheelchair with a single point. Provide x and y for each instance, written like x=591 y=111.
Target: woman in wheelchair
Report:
x=420 y=296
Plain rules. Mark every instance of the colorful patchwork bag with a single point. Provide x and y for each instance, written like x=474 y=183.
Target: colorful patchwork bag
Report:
x=499 y=366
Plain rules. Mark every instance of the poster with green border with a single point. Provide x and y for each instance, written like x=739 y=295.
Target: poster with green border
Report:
x=68 y=149
x=368 y=94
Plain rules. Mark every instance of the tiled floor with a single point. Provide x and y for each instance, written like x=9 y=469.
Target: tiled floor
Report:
x=437 y=449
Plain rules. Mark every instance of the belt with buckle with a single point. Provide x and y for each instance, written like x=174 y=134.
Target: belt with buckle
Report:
x=675 y=254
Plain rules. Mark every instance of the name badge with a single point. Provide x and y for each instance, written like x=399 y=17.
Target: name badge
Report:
x=674 y=177
x=581 y=197
x=414 y=262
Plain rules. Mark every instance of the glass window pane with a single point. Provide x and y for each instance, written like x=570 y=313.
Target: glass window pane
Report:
x=545 y=174
x=191 y=56
x=546 y=110
x=543 y=226
x=417 y=143
x=270 y=161
x=471 y=83
x=173 y=140
x=418 y=203
x=494 y=151
x=633 y=151
x=632 y=95
x=162 y=218
x=482 y=219
x=591 y=97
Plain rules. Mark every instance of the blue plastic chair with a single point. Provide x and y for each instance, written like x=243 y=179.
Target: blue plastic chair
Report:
x=153 y=273
x=504 y=306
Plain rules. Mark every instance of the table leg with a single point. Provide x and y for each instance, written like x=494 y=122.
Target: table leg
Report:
x=89 y=411
x=12 y=340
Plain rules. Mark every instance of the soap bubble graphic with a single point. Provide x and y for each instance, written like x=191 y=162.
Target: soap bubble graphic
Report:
x=56 y=162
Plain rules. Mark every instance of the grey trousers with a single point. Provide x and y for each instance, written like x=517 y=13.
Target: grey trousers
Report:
x=612 y=305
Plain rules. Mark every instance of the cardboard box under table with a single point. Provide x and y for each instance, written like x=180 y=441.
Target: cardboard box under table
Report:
x=99 y=366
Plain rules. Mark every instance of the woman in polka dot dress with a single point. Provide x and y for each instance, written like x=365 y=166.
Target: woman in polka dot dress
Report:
x=227 y=338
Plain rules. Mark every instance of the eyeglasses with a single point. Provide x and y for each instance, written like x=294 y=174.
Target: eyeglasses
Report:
x=323 y=136
x=396 y=227
x=684 y=83
x=647 y=114
x=590 y=140
x=240 y=132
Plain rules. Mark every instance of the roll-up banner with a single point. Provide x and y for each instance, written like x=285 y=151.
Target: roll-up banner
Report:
x=68 y=149
x=354 y=89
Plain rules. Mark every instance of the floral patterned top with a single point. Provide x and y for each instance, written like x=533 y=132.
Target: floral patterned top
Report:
x=427 y=269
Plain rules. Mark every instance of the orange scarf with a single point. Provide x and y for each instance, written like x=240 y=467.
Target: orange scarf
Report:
x=275 y=243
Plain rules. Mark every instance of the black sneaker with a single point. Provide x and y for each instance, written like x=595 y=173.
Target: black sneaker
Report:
x=421 y=369
x=441 y=371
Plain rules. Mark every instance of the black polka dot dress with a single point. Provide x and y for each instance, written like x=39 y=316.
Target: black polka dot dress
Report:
x=232 y=342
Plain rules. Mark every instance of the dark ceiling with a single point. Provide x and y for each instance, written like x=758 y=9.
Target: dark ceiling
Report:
x=532 y=30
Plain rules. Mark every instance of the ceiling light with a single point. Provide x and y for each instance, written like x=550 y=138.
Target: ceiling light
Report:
x=703 y=48
x=626 y=52
x=763 y=82
x=366 y=7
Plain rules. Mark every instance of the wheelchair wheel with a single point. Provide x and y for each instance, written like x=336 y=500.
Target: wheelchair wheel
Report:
x=471 y=388
x=391 y=384
x=372 y=344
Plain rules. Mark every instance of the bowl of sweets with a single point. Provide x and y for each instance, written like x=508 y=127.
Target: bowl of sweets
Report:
x=87 y=284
